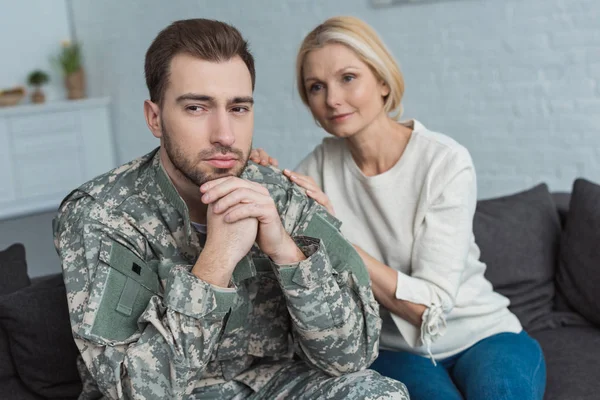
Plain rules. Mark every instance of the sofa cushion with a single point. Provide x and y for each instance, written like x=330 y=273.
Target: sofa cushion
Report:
x=572 y=362
x=562 y=200
x=14 y=389
x=13 y=276
x=36 y=321
x=13 y=269
x=578 y=276
x=7 y=368
x=518 y=236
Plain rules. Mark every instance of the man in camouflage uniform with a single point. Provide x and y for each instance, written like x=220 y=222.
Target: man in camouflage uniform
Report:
x=193 y=274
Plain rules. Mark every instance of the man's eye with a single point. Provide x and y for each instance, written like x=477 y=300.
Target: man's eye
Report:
x=240 y=109
x=193 y=108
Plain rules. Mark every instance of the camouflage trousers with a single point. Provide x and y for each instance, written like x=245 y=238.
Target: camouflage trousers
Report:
x=298 y=381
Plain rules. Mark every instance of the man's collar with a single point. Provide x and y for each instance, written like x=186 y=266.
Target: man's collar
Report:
x=170 y=192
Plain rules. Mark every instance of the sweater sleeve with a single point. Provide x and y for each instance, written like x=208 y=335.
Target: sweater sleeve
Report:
x=440 y=251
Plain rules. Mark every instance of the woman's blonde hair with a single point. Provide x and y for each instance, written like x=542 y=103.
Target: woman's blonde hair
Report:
x=364 y=41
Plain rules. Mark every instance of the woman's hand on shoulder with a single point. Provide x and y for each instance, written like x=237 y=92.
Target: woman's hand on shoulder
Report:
x=261 y=157
x=312 y=189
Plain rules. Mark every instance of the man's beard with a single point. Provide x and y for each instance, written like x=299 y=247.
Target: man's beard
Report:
x=188 y=167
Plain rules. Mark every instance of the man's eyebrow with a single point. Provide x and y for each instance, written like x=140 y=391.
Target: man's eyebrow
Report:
x=241 y=99
x=210 y=99
x=195 y=97
x=339 y=71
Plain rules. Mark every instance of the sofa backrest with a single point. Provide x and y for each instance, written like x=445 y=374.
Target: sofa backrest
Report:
x=562 y=200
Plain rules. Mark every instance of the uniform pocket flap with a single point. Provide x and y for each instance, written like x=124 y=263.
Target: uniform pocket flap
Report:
x=122 y=259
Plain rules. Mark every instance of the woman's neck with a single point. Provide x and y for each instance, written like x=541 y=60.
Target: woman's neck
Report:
x=372 y=148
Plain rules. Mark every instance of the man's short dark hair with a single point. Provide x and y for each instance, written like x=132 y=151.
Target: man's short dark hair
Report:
x=207 y=39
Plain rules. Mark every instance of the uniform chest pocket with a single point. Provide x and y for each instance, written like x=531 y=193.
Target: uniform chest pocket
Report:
x=126 y=289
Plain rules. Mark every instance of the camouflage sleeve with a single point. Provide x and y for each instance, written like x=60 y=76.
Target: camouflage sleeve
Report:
x=134 y=342
x=335 y=316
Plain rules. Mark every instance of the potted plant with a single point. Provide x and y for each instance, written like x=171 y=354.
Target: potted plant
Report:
x=69 y=61
x=37 y=79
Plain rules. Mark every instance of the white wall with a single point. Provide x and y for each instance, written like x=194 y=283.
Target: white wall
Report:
x=30 y=34
x=516 y=81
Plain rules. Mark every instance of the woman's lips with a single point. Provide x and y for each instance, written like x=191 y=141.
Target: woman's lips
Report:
x=341 y=117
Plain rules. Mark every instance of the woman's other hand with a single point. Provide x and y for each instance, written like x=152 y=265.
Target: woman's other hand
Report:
x=312 y=189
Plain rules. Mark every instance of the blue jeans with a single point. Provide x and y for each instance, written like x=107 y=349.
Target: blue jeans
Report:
x=503 y=366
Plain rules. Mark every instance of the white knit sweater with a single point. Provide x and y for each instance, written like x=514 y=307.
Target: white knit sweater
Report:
x=417 y=218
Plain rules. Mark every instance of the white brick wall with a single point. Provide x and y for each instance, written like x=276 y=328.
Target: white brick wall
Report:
x=516 y=81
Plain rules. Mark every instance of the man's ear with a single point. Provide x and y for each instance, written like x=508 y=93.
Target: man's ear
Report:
x=152 y=114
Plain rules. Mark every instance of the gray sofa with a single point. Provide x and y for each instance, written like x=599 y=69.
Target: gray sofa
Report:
x=542 y=251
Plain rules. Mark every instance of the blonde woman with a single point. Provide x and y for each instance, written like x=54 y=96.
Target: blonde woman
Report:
x=406 y=197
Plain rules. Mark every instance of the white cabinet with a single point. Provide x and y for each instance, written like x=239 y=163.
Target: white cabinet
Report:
x=48 y=150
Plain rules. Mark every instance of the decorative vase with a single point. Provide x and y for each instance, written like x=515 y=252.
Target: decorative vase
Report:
x=75 y=84
x=38 y=97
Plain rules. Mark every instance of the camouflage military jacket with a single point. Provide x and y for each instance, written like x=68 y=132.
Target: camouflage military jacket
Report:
x=147 y=328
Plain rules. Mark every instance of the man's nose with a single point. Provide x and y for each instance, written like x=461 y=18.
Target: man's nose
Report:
x=222 y=132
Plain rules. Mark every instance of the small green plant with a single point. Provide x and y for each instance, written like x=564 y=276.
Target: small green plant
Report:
x=69 y=58
x=38 y=78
